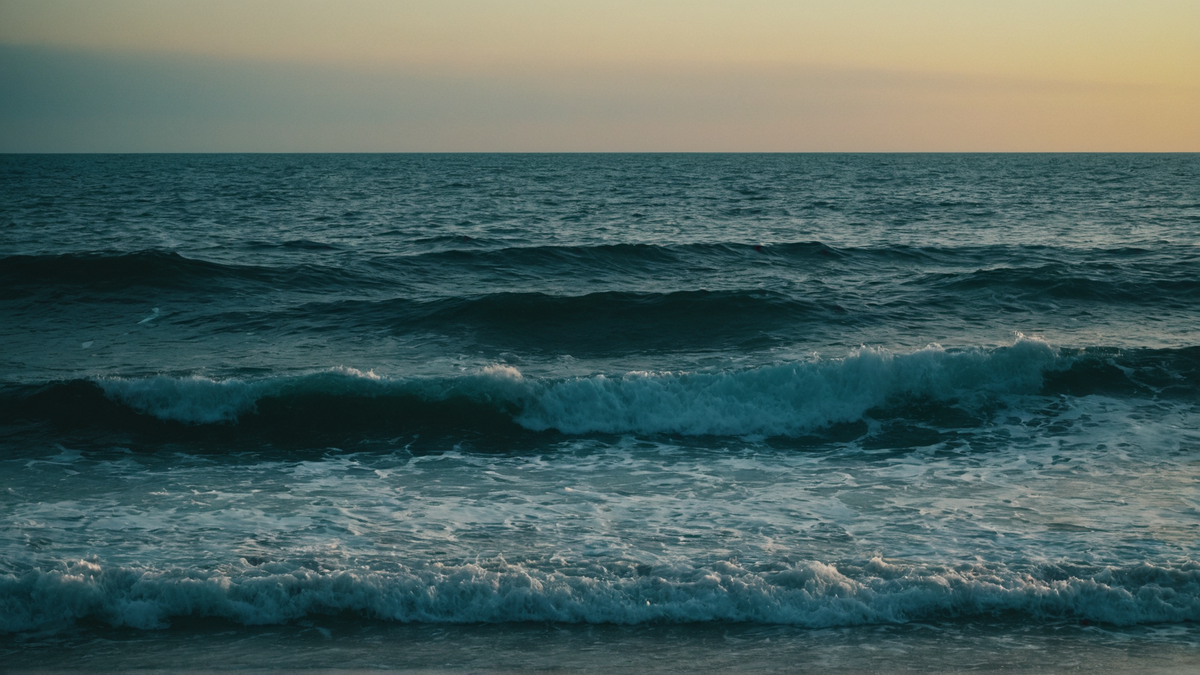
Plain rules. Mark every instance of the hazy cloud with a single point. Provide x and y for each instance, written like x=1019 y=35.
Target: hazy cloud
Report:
x=66 y=100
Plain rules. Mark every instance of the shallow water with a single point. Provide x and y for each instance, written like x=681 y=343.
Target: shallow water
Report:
x=341 y=644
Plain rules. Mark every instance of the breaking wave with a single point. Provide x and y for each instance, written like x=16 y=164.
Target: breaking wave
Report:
x=809 y=594
x=788 y=399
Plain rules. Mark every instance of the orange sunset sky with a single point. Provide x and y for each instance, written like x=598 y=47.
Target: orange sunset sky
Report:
x=651 y=75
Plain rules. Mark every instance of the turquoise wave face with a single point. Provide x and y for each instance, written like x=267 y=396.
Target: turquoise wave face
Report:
x=803 y=399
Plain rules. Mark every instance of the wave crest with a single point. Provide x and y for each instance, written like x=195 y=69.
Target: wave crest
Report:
x=784 y=399
x=781 y=400
x=787 y=399
x=809 y=594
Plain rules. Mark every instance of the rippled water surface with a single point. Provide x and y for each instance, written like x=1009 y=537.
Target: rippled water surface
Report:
x=723 y=409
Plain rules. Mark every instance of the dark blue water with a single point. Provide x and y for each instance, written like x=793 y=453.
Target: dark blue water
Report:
x=753 y=393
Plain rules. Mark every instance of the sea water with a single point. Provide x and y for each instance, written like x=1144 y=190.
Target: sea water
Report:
x=595 y=412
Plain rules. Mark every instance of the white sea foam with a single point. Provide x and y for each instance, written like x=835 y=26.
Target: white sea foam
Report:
x=809 y=594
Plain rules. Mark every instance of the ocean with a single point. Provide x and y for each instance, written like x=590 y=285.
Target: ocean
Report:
x=586 y=413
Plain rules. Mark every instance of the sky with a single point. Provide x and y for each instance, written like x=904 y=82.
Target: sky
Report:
x=585 y=75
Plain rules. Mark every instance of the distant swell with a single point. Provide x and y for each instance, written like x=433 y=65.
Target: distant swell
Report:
x=810 y=594
x=1172 y=284
x=157 y=268
x=1113 y=275
x=595 y=322
x=112 y=272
